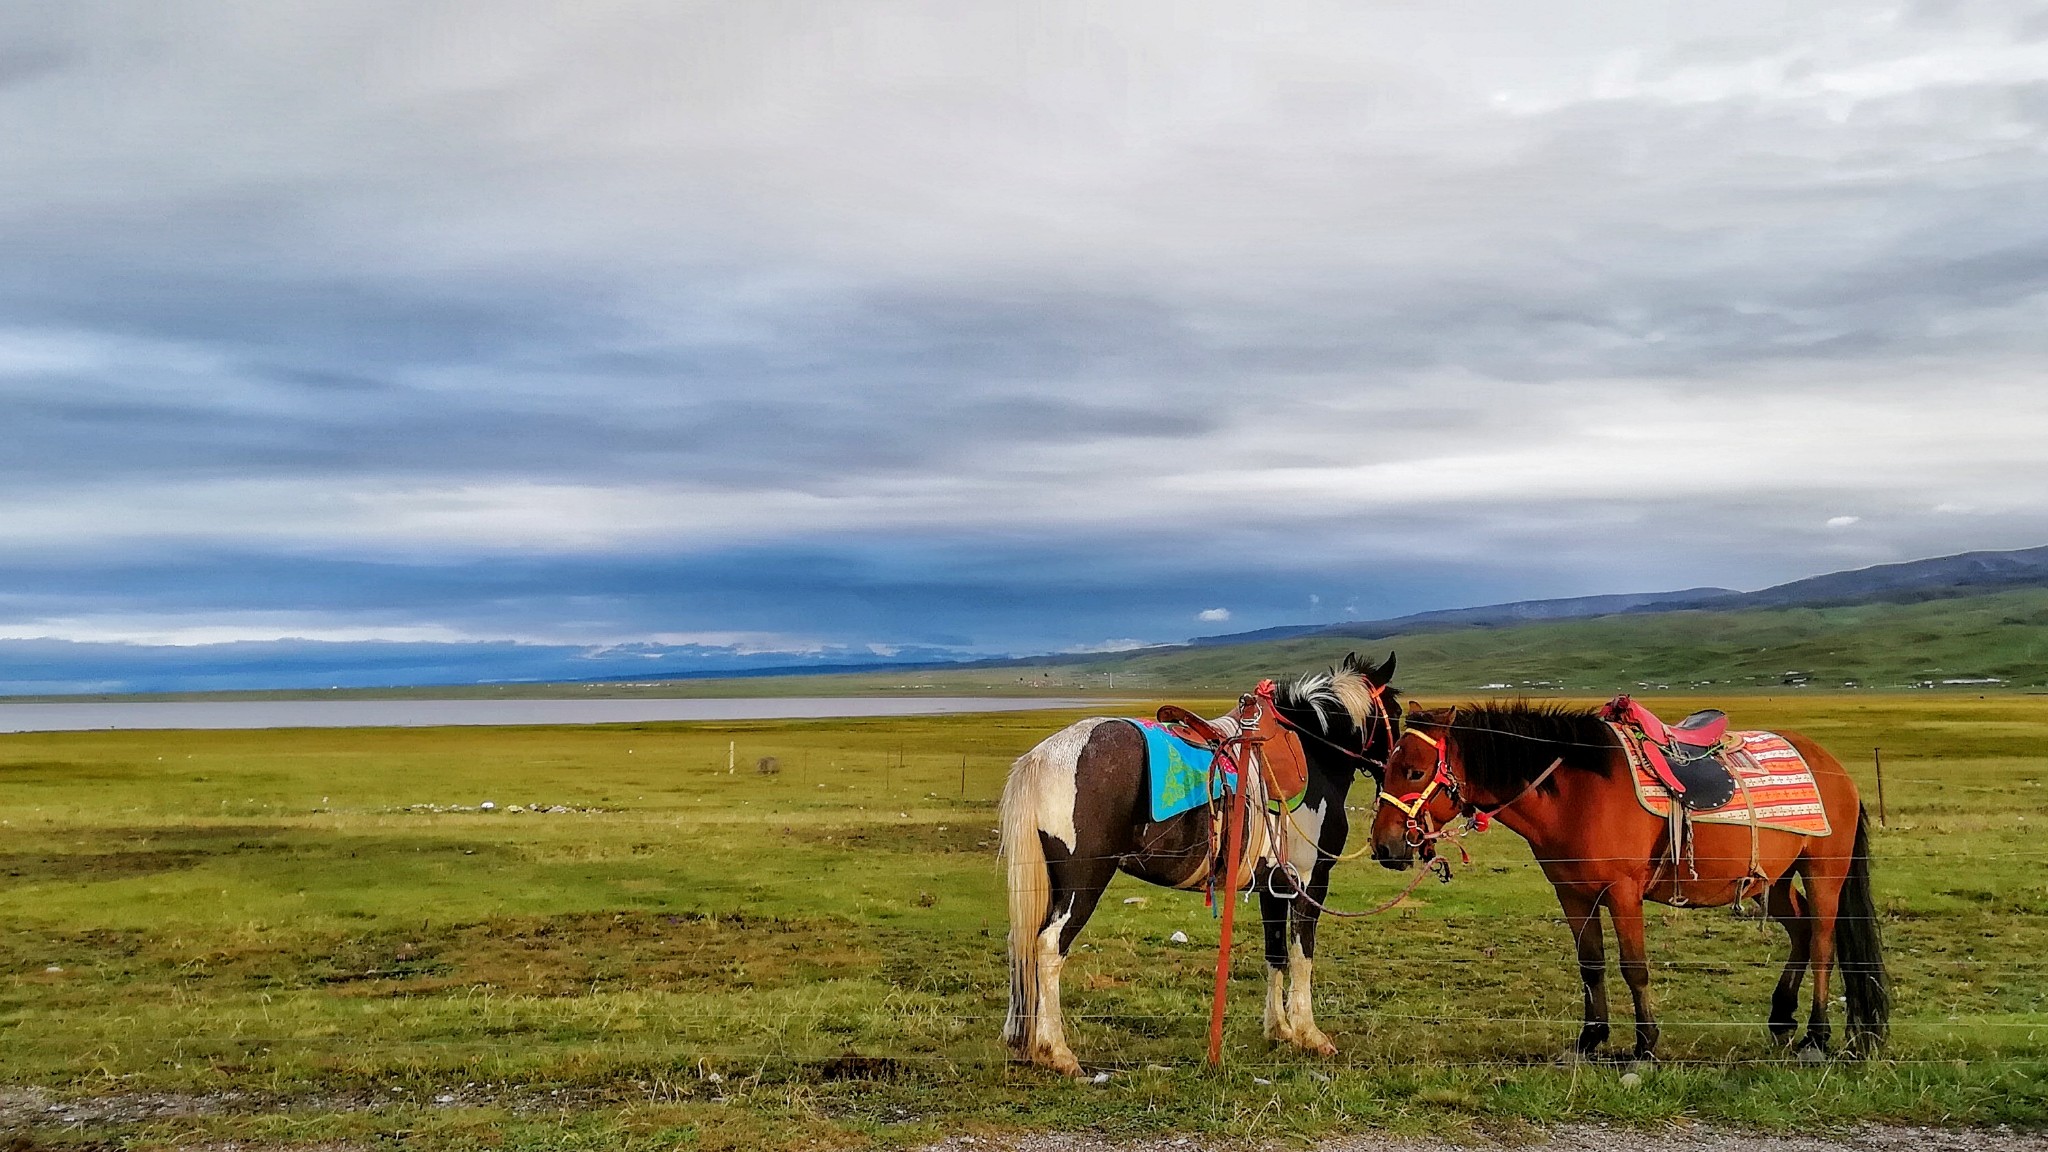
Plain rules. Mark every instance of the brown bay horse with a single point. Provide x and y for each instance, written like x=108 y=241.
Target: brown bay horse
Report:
x=1561 y=779
x=1076 y=810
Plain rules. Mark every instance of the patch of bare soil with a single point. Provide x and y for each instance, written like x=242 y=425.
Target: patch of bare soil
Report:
x=916 y=838
x=1574 y=1138
x=34 y=1108
x=28 y=1110
x=28 y=1113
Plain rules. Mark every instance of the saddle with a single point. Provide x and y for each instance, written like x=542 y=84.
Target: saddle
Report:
x=1282 y=760
x=1686 y=756
x=1190 y=727
x=1246 y=735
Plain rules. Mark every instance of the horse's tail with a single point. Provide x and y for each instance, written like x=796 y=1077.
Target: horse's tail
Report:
x=1030 y=887
x=1859 y=953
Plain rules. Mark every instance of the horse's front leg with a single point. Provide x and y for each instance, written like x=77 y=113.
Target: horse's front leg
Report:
x=1274 y=911
x=1301 y=962
x=1582 y=916
x=1625 y=907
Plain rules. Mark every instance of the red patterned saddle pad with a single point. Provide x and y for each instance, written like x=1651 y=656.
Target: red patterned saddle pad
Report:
x=1774 y=788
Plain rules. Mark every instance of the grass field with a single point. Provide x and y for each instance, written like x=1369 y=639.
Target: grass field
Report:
x=264 y=937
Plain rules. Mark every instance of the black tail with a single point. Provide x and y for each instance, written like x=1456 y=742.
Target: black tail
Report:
x=1859 y=953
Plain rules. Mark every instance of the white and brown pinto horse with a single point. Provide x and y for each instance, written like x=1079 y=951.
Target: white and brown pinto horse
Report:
x=1077 y=810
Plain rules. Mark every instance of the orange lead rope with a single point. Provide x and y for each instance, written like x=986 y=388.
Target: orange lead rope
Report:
x=1235 y=840
x=1247 y=766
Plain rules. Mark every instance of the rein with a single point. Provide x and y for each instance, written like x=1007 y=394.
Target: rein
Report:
x=1441 y=869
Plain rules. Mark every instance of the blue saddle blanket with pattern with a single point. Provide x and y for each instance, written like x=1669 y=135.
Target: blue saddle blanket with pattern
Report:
x=1179 y=772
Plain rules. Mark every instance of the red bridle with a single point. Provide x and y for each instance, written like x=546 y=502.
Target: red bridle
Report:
x=1423 y=831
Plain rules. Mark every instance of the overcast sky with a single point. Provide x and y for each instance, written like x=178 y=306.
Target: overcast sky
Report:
x=998 y=327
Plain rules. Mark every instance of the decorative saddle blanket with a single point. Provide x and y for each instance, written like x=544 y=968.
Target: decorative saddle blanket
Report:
x=1179 y=772
x=1774 y=786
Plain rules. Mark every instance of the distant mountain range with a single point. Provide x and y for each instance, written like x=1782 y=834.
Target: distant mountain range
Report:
x=1489 y=615
x=1942 y=577
x=1915 y=580
x=1972 y=615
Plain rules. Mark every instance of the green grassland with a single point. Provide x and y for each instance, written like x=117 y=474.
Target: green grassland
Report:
x=262 y=937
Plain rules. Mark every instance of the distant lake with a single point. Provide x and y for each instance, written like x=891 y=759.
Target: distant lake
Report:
x=434 y=713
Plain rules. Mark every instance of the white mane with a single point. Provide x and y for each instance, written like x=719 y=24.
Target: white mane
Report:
x=1341 y=689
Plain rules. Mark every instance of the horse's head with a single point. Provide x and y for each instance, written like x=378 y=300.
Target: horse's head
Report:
x=1418 y=794
x=1381 y=730
x=1347 y=716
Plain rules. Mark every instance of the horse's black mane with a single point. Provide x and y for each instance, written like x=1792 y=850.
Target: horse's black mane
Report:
x=1506 y=744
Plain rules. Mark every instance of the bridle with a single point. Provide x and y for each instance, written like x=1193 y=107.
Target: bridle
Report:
x=1264 y=693
x=1422 y=831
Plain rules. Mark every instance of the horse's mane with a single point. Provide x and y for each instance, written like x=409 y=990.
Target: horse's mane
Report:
x=1504 y=744
x=1341 y=689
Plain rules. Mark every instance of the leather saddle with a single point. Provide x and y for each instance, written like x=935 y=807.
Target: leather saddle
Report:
x=1254 y=723
x=1686 y=755
x=1190 y=727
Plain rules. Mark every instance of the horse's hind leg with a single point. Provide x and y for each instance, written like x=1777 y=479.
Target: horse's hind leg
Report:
x=1582 y=916
x=1077 y=883
x=1787 y=907
x=1823 y=898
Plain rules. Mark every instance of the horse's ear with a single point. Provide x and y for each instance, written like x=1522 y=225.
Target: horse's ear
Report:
x=1382 y=675
x=1351 y=663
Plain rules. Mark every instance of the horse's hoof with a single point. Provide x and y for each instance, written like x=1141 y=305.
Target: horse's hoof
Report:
x=1060 y=1062
x=1811 y=1054
x=1312 y=1039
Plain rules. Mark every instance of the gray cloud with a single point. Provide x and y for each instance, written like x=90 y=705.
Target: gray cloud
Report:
x=1412 y=286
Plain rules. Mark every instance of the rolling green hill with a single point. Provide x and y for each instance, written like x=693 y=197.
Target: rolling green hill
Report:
x=1876 y=645
x=2002 y=635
